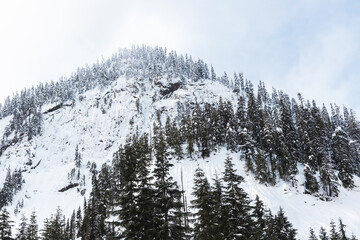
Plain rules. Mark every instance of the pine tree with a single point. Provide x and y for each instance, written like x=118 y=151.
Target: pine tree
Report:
x=32 y=228
x=270 y=233
x=247 y=147
x=342 y=233
x=253 y=117
x=290 y=158
x=146 y=194
x=167 y=198
x=78 y=219
x=329 y=179
x=333 y=233
x=204 y=227
x=5 y=225
x=21 y=231
x=323 y=234
x=7 y=192
x=78 y=157
x=312 y=235
x=259 y=220
x=54 y=228
x=341 y=151
x=84 y=230
x=236 y=205
x=262 y=173
x=124 y=189
x=72 y=227
x=283 y=228
x=97 y=213
x=217 y=208
x=311 y=184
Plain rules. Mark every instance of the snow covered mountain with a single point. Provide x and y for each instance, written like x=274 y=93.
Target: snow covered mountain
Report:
x=96 y=120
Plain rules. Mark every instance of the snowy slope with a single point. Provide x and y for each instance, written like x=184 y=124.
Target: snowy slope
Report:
x=98 y=123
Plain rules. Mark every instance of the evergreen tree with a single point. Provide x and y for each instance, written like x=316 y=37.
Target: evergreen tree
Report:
x=262 y=173
x=259 y=220
x=167 y=198
x=270 y=233
x=21 y=231
x=247 y=147
x=32 y=228
x=283 y=228
x=333 y=233
x=329 y=179
x=5 y=225
x=341 y=151
x=217 y=208
x=311 y=184
x=204 y=227
x=78 y=219
x=342 y=233
x=7 y=192
x=312 y=235
x=124 y=163
x=77 y=157
x=323 y=234
x=97 y=209
x=54 y=228
x=84 y=230
x=145 y=199
x=289 y=160
x=236 y=205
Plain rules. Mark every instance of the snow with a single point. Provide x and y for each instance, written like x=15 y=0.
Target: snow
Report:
x=99 y=129
x=3 y=123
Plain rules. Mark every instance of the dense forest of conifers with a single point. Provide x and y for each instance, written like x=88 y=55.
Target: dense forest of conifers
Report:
x=136 y=198
x=273 y=132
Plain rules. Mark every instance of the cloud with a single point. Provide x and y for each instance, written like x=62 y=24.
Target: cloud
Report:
x=323 y=65
x=291 y=45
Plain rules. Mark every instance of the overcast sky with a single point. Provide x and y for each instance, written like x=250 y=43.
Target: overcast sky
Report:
x=311 y=47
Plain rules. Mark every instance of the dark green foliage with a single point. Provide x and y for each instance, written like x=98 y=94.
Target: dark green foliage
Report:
x=329 y=179
x=21 y=231
x=322 y=234
x=13 y=183
x=311 y=184
x=342 y=233
x=260 y=221
x=262 y=173
x=333 y=233
x=5 y=225
x=167 y=196
x=342 y=158
x=236 y=205
x=312 y=235
x=216 y=197
x=32 y=228
x=247 y=147
x=203 y=203
x=283 y=228
x=78 y=157
x=54 y=228
x=7 y=192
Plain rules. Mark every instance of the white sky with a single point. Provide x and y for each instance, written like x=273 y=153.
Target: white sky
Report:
x=311 y=47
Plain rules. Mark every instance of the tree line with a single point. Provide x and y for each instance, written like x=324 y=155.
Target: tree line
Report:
x=136 y=198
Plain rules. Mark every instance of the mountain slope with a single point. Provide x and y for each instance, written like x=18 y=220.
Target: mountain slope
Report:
x=98 y=120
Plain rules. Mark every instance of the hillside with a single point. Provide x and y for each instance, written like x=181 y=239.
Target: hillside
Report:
x=92 y=113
